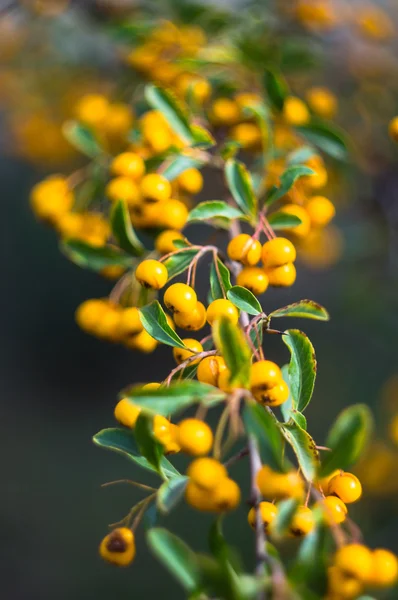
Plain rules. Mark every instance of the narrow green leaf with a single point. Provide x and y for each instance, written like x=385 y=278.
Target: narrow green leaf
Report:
x=281 y=220
x=240 y=185
x=286 y=407
x=220 y=548
x=284 y=518
x=154 y=321
x=232 y=344
x=301 y=155
x=263 y=425
x=94 y=258
x=298 y=417
x=82 y=138
x=304 y=448
x=148 y=445
x=230 y=149
x=123 y=442
x=165 y=102
x=202 y=138
x=244 y=299
x=276 y=88
x=176 y=556
x=179 y=262
x=329 y=138
x=220 y=282
x=213 y=210
x=302 y=367
x=286 y=182
x=347 y=438
x=307 y=309
x=179 y=164
x=176 y=397
x=123 y=230
x=312 y=560
x=170 y=493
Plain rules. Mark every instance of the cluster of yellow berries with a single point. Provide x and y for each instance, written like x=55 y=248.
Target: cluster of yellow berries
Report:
x=277 y=255
x=209 y=488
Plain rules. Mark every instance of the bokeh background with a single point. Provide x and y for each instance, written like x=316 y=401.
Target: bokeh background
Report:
x=60 y=385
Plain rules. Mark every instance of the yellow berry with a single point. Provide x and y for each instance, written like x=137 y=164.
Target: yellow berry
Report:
x=268 y=512
x=322 y=102
x=128 y=164
x=279 y=485
x=130 y=322
x=198 y=497
x=210 y=369
x=190 y=181
x=89 y=313
x=112 y=271
x=283 y=276
x=278 y=252
x=303 y=522
x=151 y=386
x=264 y=375
x=118 y=547
x=334 y=510
x=345 y=486
x=206 y=472
x=123 y=188
x=126 y=413
x=303 y=229
x=107 y=326
x=226 y=496
x=384 y=569
x=166 y=433
x=243 y=248
x=192 y=321
x=248 y=135
x=180 y=297
x=295 y=111
x=342 y=586
x=142 y=342
x=164 y=242
x=193 y=347
x=323 y=483
x=118 y=122
x=393 y=129
x=92 y=110
x=224 y=382
x=199 y=87
x=320 y=211
x=51 y=198
x=155 y=188
x=276 y=396
x=174 y=214
x=224 y=112
x=354 y=560
x=253 y=279
x=151 y=274
x=222 y=308
x=195 y=437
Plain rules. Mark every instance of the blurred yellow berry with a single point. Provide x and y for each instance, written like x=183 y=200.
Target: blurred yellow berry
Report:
x=295 y=111
x=118 y=547
x=268 y=512
x=128 y=164
x=155 y=188
x=190 y=181
x=126 y=413
x=206 y=472
x=303 y=522
x=123 y=188
x=195 y=437
x=224 y=112
x=322 y=101
x=303 y=229
x=92 y=110
x=355 y=560
x=320 y=211
x=192 y=347
x=164 y=242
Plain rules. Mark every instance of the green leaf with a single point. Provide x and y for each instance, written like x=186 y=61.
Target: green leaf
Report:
x=177 y=396
x=148 y=445
x=219 y=282
x=214 y=209
x=240 y=185
x=94 y=257
x=244 y=299
x=202 y=137
x=82 y=138
x=276 y=88
x=301 y=155
x=347 y=438
x=170 y=493
x=179 y=164
x=304 y=448
x=287 y=180
x=284 y=518
x=176 y=556
x=282 y=220
x=165 y=102
x=297 y=416
x=307 y=309
x=123 y=230
x=154 y=321
x=230 y=149
x=329 y=138
x=302 y=367
x=263 y=425
x=123 y=442
x=312 y=560
x=232 y=344
x=219 y=547
x=178 y=262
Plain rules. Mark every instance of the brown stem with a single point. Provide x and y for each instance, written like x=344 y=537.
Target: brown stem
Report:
x=255 y=466
x=234 y=459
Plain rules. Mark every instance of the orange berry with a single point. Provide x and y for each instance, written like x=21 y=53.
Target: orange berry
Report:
x=320 y=211
x=155 y=188
x=385 y=568
x=354 y=560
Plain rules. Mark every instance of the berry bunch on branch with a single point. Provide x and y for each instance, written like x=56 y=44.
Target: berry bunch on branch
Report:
x=127 y=214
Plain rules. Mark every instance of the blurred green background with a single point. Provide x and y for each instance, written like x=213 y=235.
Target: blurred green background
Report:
x=60 y=387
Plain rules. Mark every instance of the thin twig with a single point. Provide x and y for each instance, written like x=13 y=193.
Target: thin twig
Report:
x=234 y=459
x=148 y=488
x=255 y=466
x=187 y=362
